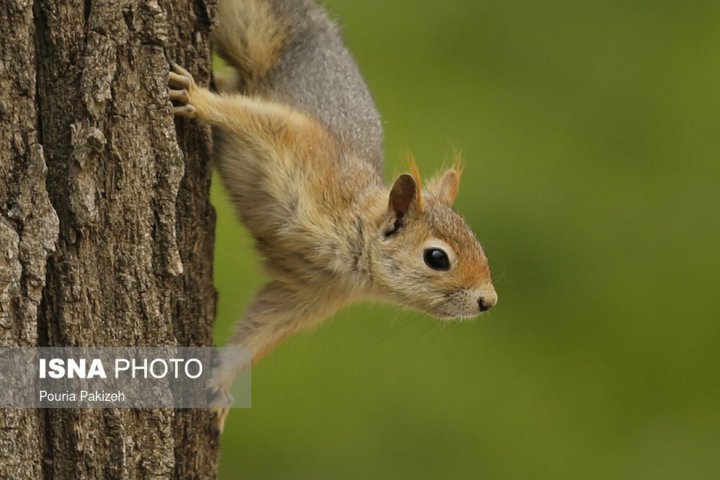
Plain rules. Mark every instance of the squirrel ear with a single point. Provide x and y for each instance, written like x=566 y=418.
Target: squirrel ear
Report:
x=446 y=188
x=404 y=195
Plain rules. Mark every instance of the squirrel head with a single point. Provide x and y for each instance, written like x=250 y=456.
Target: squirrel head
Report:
x=426 y=256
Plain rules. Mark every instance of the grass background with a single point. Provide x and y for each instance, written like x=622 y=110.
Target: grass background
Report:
x=591 y=136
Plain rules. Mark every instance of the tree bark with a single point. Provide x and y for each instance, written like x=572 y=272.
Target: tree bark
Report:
x=106 y=230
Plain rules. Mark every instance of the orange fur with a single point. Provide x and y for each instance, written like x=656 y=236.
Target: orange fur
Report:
x=415 y=172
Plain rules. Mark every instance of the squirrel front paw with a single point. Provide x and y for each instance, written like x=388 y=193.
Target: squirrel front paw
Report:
x=222 y=377
x=221 y=408
x=181 y=84
x=220 y=403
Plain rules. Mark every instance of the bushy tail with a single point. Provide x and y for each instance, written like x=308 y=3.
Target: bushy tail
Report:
x=250 y=37
x=290 y=51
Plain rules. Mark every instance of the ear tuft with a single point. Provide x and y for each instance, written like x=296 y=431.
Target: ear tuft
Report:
x=415 y=172
x=404 y=195
x=446 y=187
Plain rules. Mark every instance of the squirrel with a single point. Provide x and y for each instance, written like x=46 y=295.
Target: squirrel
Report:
x=298 y=145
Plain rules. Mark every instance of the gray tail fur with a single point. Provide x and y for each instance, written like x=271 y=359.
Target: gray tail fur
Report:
x=290 y=51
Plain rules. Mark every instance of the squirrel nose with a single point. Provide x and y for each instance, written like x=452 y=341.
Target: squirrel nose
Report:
x=487 y=302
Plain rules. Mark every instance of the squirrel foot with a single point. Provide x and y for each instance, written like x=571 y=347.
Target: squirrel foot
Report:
x=221 y=381
x=221 y=412
x=181 y=83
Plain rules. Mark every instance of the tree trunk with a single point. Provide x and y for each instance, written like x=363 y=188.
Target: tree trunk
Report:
x=106 y=230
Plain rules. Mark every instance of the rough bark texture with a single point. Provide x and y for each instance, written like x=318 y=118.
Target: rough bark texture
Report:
x=105 y=223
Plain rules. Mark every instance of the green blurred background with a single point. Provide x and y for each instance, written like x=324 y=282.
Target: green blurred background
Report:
x=591 y=137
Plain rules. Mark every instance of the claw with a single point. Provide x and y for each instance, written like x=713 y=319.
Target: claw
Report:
x=178 y=69
x=182 y=81
x=180 y=96
x=185 y=111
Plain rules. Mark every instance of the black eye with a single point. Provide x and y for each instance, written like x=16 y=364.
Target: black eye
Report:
x=436 y=259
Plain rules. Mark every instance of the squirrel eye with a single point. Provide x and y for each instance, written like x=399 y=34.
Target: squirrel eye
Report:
x=436 y=259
